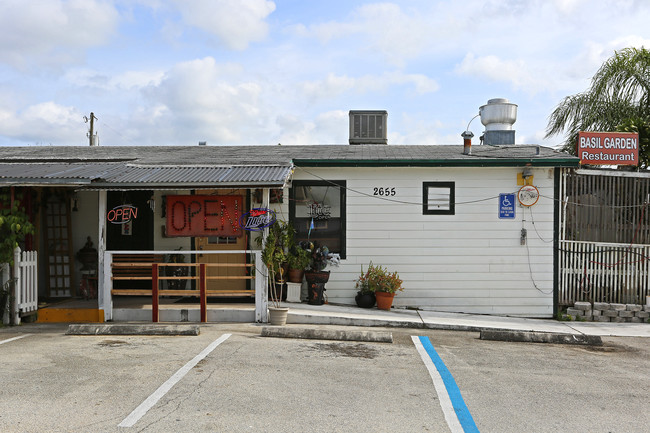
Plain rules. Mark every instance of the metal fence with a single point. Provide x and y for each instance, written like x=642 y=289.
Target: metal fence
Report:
x=603 y=272
x=605 y=237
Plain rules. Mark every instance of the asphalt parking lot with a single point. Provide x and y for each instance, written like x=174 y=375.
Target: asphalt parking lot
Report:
x=63 y=383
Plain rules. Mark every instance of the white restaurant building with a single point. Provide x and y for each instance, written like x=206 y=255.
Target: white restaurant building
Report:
x=447 y=219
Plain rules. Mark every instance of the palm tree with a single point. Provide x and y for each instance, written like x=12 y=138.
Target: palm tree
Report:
x=618 y=99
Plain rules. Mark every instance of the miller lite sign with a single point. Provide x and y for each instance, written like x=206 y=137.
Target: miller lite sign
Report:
x=257 y=219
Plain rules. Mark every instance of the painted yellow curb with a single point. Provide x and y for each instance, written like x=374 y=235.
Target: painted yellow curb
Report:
x=70 y=315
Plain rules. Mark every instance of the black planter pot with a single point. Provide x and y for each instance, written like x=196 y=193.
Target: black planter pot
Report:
x=316 y=286
x=365 y=300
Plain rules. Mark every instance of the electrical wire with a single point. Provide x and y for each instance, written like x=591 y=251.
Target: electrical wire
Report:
x=386 y=198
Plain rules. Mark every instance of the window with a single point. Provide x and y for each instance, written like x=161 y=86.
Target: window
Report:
x=317 y=212
x=438 y=198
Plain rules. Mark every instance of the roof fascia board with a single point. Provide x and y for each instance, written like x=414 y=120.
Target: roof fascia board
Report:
x=504 y=162
x=211 y=185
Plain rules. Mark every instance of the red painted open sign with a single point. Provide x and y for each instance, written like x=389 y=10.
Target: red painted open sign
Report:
x=122 y=214
x=204 y=215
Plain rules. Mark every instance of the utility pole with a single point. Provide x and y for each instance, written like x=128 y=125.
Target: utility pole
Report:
x=91 y=135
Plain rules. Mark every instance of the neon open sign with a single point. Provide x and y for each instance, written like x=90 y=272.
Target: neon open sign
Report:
x=203 y=215
x=122 y=214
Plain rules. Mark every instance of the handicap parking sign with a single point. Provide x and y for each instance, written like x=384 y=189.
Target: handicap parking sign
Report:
x=507 y=206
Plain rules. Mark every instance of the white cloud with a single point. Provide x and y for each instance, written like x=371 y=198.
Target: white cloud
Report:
x=496 y=69
x=53 y=31
x=129 y=80
x=58 y=123
x=205 y=106
x=327 y=128
x=381 y=28
x=333 y=86
x=235 y=23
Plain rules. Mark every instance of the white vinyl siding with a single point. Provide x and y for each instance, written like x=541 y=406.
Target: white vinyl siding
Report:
x=471 y=261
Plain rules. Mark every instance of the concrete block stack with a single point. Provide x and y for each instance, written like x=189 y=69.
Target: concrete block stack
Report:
x=606 y=312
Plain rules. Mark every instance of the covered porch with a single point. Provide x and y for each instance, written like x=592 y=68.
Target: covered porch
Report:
x=117 y=201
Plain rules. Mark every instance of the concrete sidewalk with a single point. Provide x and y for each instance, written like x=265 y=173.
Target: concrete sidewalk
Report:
x=353 y=316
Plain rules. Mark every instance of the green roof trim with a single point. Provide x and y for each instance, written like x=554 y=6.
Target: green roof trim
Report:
x=482 y=162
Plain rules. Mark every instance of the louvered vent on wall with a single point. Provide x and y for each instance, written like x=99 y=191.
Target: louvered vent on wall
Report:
x=368 y=127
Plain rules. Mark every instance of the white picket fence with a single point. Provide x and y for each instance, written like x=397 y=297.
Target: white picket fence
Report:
x=604 y=272
x=26 y=283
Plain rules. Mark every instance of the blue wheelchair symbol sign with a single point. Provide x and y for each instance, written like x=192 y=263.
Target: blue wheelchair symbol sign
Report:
x=507 y=206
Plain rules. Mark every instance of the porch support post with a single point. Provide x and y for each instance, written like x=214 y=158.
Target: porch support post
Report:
x=104 y=283
x=202 y=295
x=261 y=286
x=17 y=286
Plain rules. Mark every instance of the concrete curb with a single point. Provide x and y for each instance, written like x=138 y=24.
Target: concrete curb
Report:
x=327 y=334
x=132 y=329
x=540 y=337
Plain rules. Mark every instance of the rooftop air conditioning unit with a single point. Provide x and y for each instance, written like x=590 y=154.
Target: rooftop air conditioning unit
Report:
x=368 y=127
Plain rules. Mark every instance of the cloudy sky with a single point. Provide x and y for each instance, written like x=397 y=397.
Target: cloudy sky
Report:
x=176 y=72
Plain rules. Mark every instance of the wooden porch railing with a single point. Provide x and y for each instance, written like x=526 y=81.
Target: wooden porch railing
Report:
x=142 y=266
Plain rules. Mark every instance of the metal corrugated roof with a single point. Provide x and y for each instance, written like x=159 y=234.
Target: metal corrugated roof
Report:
x=239 y=166
x=128 y=175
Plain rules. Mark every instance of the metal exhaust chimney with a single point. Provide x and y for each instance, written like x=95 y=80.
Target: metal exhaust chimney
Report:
x=498 y=116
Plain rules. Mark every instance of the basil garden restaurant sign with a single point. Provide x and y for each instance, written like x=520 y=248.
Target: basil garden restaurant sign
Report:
x=608 y=148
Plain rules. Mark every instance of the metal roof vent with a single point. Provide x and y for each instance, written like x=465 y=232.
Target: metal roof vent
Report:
x=368 y=127
x=498 y=116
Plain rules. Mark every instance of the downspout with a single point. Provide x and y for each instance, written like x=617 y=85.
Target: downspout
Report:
x=556 y=239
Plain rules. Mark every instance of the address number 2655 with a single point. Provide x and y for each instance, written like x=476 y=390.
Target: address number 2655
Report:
x=385 y=192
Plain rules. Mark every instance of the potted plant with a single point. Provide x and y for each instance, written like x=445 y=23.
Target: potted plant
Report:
x=316 y=275
x=365 y=297
x=383 y=283
x=274 y=256
x=298 y=260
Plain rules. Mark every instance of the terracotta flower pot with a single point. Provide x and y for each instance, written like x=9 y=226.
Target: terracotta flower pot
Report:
x=384 y=300
x=295 y=275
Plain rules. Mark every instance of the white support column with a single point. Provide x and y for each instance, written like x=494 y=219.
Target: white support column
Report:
x=17 y=295
x=104 y=284
x=261 y=284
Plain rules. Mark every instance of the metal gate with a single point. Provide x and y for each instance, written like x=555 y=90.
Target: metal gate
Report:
x=605 y=236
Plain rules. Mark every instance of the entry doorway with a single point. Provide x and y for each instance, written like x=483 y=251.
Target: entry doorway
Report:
x=232 y=276
x=134 y=234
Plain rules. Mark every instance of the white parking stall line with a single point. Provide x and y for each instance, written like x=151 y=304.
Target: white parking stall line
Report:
x=453 y=406
x=144 y=407
x=14 y=338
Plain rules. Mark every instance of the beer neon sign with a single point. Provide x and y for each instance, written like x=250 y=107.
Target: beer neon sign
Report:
x=122 y=214
x=203 y=215
x=257 y=219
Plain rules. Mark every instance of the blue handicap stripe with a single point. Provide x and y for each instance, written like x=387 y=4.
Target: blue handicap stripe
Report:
x=462 y=412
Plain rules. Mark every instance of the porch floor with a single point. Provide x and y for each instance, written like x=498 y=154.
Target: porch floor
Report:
x=138 y=308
